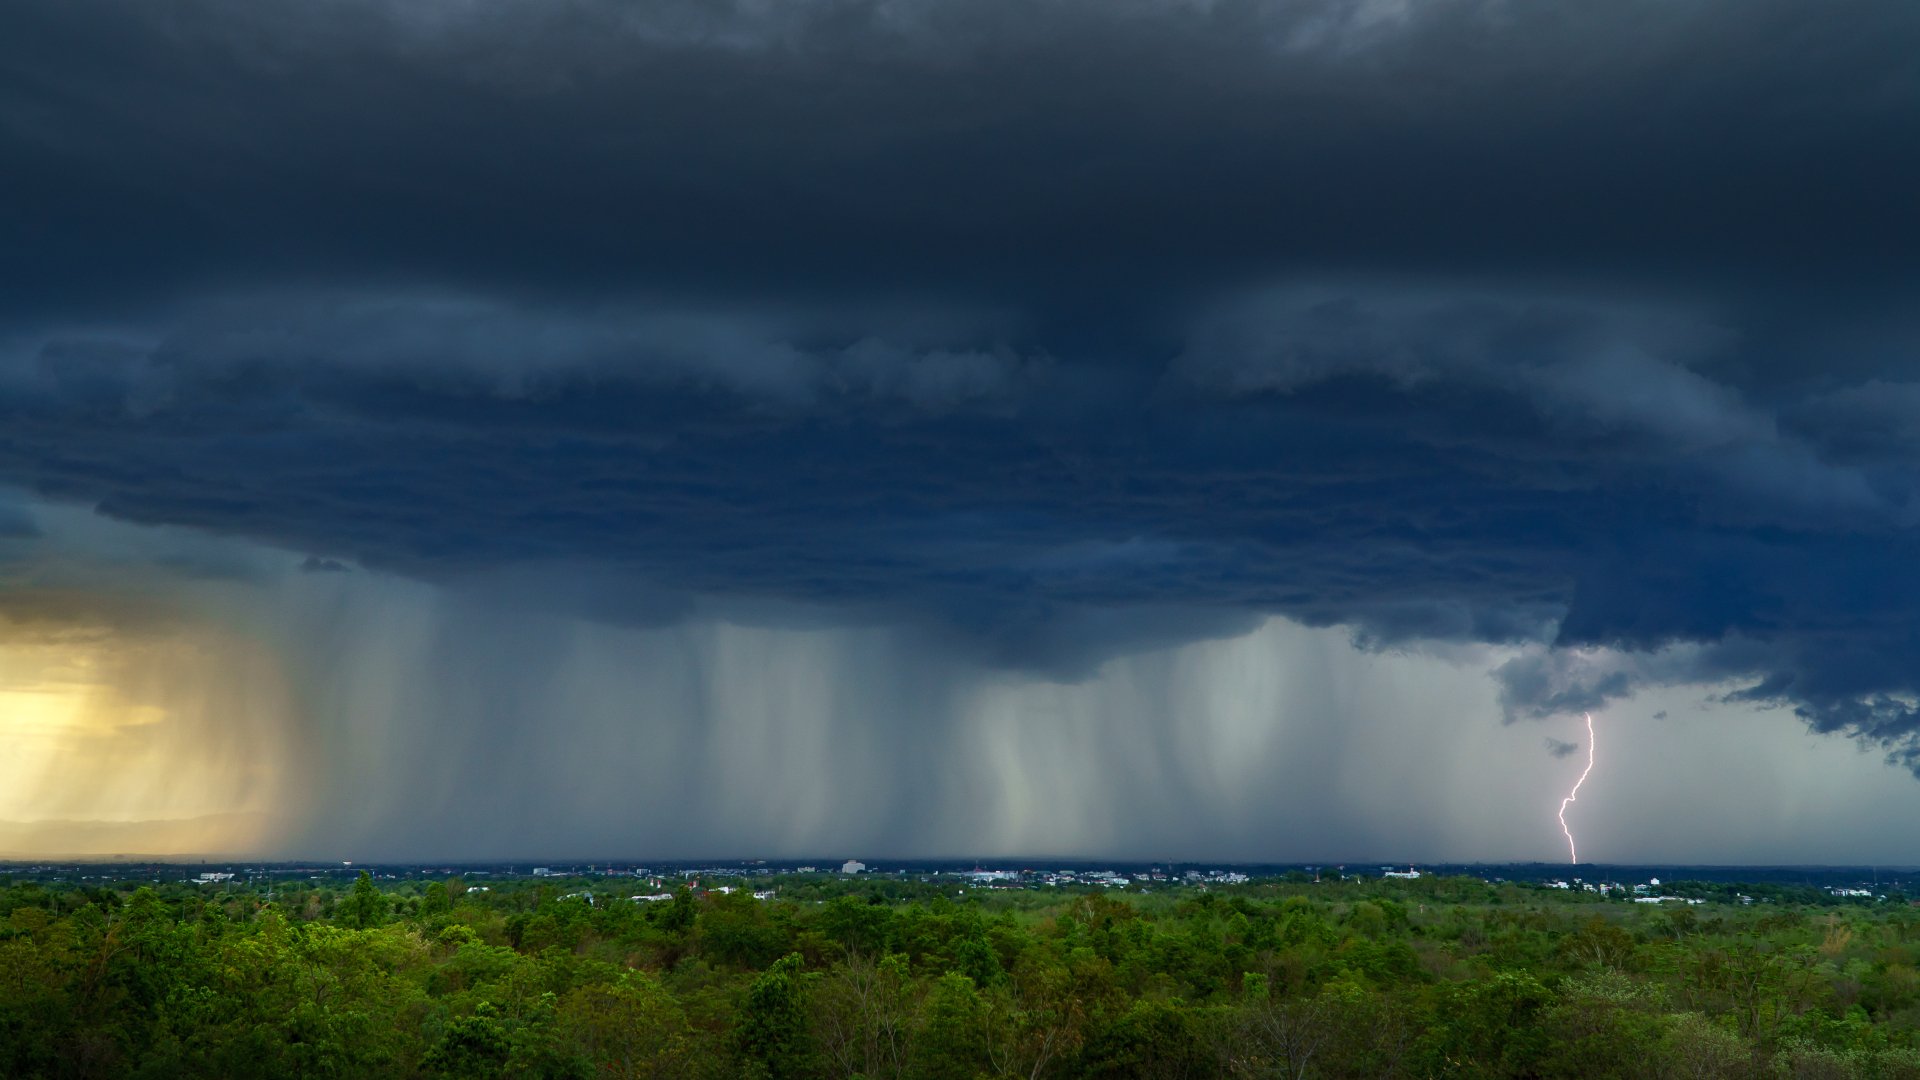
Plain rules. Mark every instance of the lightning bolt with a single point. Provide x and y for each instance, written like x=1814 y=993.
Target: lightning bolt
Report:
x=1573 y=856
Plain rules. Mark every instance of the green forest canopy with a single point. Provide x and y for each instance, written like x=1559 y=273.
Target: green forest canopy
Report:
x=898 y=978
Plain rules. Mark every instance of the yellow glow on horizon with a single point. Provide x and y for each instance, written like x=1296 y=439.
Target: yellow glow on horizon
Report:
x=110 y=745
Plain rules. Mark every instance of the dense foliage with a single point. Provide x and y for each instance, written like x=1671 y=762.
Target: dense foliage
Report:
x=894 y=978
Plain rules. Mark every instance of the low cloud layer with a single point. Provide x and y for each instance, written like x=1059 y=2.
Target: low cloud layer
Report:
x=1500 y=467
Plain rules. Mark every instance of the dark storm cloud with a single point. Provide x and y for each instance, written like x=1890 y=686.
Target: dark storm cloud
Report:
x=1557 y=749
x=1066 y=330
x=981 y=148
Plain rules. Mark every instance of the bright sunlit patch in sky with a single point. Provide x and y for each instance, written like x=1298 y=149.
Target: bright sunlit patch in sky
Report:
x=111 y=746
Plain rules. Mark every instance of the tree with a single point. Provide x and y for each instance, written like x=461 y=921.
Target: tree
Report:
x=951 y=1044
x=1493 y=1024
x=1152 y=1040
x=678 y=915
x=1275 y=1038
x=974 y=958
x=862 y=1011
x=437 y=901
x=472 y=1046
x=772 y=1039
x=861 y=928
x=364 y=907
x=1603 y=1025
x=734 y=930
x=1035 y=1018
x=629 y=1030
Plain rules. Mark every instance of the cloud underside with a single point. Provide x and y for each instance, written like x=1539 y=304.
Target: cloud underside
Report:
x=1060 y=336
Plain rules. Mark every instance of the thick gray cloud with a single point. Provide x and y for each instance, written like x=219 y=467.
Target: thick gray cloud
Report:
x=1056 y=333
x=1502 y=466
x=973 y=148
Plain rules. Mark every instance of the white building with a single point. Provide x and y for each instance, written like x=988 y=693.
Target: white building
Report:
x=852 y=866
x=1408 y=874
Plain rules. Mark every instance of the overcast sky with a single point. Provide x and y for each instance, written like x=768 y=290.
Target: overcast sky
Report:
x=1249 y=429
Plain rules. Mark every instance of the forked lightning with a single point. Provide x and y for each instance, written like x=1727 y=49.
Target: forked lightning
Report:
x=1572 y=855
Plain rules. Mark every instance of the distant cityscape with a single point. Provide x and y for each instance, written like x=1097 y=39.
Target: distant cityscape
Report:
x=658 y=881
